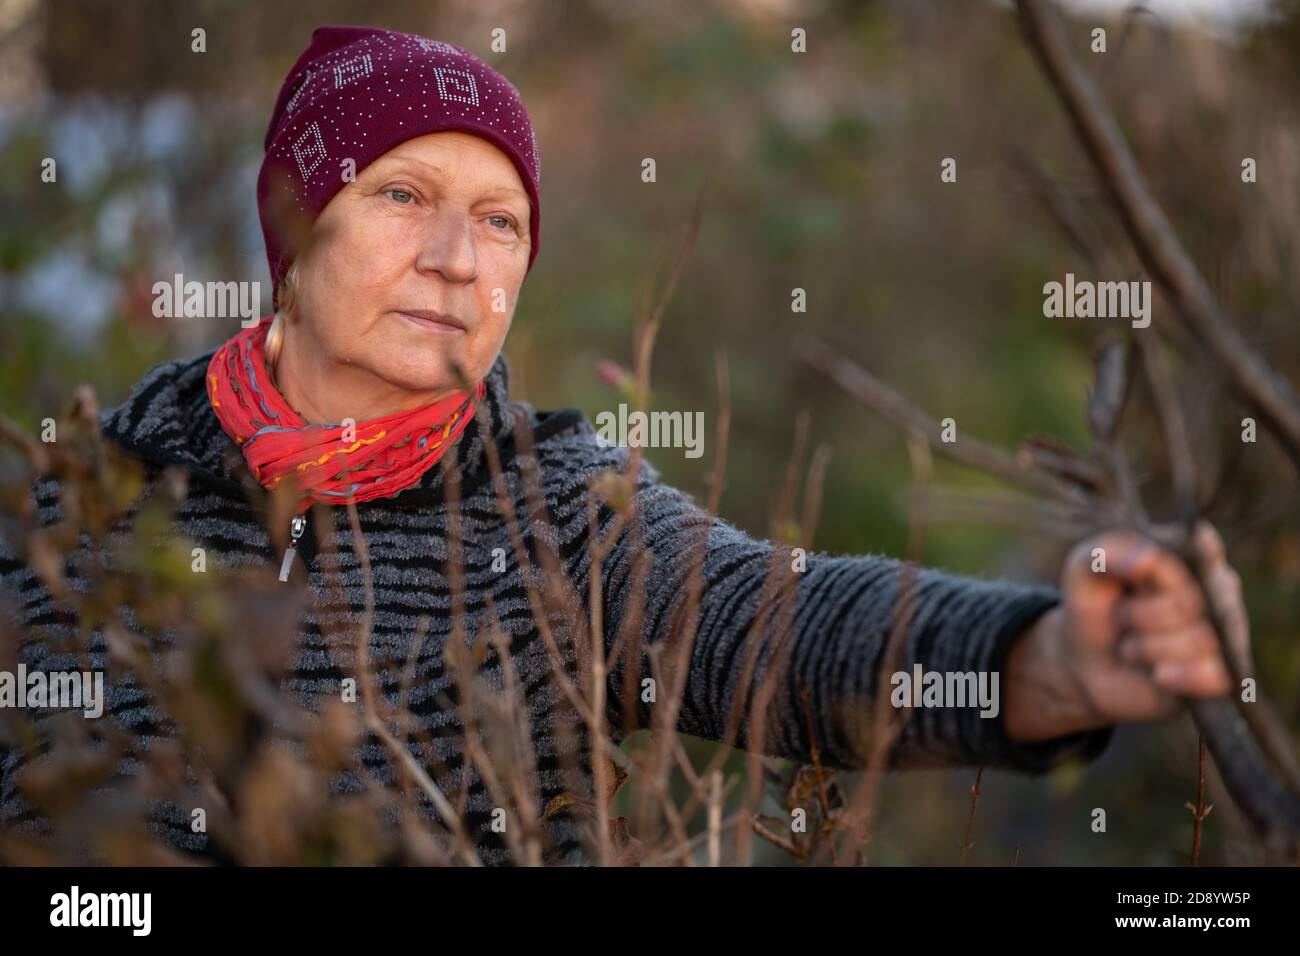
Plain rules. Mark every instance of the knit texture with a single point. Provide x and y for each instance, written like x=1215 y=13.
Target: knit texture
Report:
x=841 y=616
x=354 y=94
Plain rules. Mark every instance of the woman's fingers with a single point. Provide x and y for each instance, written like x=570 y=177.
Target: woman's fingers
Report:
x=1164 y=611
x=1152 y=613
x=1187 y=644
x=1203 y=677
x=1185 y=661
x=1210 y=544
x=1139 y=563
x=1224 y=586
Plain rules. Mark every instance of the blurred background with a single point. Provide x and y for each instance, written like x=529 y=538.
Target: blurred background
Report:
x=823 y=174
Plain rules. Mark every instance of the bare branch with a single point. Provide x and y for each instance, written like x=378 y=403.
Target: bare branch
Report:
x=1163 y=255
x=896 y=409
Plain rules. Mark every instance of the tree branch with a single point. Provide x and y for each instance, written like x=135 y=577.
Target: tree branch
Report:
x=1264 y=390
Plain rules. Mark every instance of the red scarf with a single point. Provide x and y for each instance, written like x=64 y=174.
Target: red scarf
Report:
x=386 y=455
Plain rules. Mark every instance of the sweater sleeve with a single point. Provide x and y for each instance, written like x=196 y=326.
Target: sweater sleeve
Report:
x=836 y=615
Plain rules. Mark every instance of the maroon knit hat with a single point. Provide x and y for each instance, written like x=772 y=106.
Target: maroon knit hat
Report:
x=355 y=93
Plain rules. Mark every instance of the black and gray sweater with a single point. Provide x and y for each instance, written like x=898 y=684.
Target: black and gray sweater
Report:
x=840 y=618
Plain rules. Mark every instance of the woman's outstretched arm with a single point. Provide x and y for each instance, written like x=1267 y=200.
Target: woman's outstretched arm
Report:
x=1017 y=676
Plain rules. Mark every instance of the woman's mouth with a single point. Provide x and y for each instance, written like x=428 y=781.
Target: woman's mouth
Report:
x=433 y=321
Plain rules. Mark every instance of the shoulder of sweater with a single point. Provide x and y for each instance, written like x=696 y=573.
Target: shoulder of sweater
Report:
x=173 y=379
x=572 y=454
x=158 y=419
x=149 y=422
x=566 y=438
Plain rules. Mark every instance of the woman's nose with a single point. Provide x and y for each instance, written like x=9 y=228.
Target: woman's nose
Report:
x=447 y=246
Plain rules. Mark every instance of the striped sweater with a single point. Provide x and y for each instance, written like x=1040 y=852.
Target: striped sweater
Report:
x=836 y=614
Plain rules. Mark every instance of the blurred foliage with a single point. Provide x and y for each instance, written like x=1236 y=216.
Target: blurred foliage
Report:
x=823 y=174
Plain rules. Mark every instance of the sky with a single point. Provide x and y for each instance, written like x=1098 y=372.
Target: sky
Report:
x=1217 y=13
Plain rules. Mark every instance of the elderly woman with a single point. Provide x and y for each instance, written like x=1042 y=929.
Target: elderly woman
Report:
x=400 y=205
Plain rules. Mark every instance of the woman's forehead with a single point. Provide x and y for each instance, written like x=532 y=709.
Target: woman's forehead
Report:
x=444 y=151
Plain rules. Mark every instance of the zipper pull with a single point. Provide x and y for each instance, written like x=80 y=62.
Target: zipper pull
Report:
x=296 y=528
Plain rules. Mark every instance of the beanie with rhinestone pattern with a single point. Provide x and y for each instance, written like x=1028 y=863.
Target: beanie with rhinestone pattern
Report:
x=354 y=94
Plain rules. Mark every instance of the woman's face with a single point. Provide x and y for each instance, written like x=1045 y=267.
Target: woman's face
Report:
x=417 y=264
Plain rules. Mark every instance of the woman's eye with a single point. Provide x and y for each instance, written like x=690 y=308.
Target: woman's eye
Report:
x=400 y=195
x=503 y=220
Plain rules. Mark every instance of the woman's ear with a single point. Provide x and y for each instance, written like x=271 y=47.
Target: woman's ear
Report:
x=275 y=340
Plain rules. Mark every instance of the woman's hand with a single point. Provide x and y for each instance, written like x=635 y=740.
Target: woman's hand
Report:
x=1126 y=643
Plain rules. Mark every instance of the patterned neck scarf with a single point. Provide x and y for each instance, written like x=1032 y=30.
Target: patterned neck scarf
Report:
x=382 y=457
